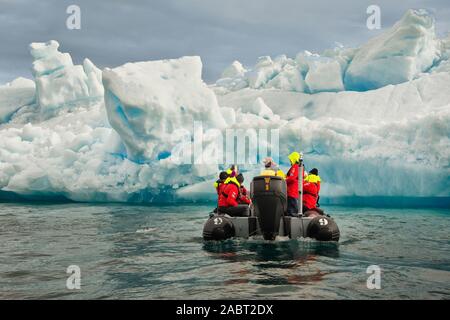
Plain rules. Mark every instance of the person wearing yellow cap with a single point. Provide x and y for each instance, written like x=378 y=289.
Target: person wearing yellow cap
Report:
x=271 y=168
x=292 y=177
x=313 y=177
x=229 y=196
x=219 y=185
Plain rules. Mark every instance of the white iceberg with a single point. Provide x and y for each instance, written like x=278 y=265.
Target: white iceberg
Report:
x=234 y=70
x=15 y=95
x=324 y=75
x=59 y=82
x=118 y=134
x=398 y=55
x=147 y=101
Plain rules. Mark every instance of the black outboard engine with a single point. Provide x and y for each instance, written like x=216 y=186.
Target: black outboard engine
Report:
x=218 y=227
x=269 y=198
x=323 y=228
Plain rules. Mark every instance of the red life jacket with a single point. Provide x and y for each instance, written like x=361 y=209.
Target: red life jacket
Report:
x=229 y=195
x=292 y=181
x=310 y=193
x=243 y=197
x=220 y=188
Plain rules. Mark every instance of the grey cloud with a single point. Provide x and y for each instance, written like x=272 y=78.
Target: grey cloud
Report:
x=115 y=32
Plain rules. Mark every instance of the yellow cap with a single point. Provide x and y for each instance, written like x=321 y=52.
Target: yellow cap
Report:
x=294 y=157
x=230 y=170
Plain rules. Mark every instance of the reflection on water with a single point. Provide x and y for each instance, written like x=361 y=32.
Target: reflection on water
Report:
x=266 y=258
x=278 y=252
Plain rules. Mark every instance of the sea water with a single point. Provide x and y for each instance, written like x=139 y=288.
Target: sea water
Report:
x=154 y=252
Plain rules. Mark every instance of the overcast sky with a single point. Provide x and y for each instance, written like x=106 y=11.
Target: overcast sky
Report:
x=114 y=32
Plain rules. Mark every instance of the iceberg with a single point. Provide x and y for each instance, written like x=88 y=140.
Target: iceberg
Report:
x=15 y=95
x=59 y=82
x=124 y=133
x=324 y=75
x=147 y=101
x=234 y=70
x=398 y=55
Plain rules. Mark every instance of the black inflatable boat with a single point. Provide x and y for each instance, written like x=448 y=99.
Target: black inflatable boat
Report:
x=268 y=217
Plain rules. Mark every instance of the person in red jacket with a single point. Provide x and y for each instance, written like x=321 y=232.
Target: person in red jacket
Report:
x=243 y=195
x=292 y=177
x=309 y=196
x=219 y=185
x=310 y=193
x=314 y=177
x=228 y=198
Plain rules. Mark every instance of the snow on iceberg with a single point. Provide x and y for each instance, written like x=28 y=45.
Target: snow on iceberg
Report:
x=147 y=101
x=59 y=82
x=398 y=55
x=67 y=155
x=360 y=139
x=122 y=146
x=234 y=70
x=324 y=75
x=14 y=95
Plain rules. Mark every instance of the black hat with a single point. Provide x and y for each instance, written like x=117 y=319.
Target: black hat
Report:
x=223 y=175
x=240 y=178
x=314 y=171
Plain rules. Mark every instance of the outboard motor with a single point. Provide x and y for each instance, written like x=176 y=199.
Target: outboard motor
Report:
x=218 y=227
x=269 y=199
x=323 y=228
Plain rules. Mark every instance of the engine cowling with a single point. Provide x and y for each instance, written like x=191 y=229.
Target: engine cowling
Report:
x=269 y=203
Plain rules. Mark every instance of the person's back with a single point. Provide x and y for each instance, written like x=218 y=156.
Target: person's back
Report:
x=313 y=177
x=228 y=198
x=271 y=169
x=309 y=195
x=220 y=182
x=228 y=195
x=292 y=179
x=243 y=197
x=219 y=186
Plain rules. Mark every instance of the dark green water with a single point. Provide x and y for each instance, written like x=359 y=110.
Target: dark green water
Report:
x=149 y=252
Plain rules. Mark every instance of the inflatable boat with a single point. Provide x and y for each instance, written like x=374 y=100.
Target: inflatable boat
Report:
x=268 y=217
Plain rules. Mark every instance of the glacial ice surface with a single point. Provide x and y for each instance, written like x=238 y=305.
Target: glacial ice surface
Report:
x=119 y=134
x=59 y=82
x=398 y=55
x=14 y=95
x=148 y=101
